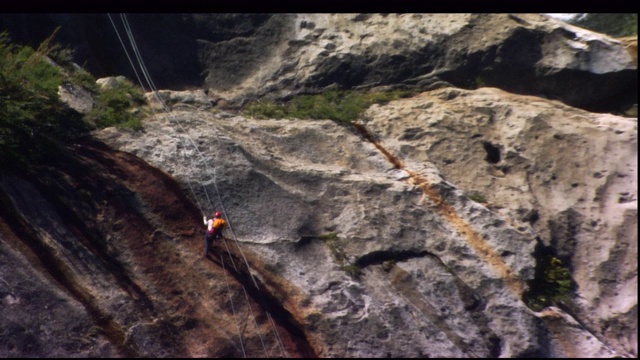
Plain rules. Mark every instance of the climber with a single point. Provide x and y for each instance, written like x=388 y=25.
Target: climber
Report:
x=214 y=230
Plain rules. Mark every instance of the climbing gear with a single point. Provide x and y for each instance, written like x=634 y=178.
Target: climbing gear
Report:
x=217 y=214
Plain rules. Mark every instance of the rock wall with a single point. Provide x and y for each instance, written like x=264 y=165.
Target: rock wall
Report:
x=395 y=190
x=239 y=57
x=415 y=231
x=102 y=256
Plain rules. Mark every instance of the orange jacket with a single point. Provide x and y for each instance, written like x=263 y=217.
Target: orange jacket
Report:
x=219 y=224
x=215 y=225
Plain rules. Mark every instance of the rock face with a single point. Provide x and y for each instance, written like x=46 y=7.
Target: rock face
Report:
x=77 y=98
x=102 y=257
x=459 y=267
x=238 y=57
x=576 y=171
x=415 y=231
x=527 y=54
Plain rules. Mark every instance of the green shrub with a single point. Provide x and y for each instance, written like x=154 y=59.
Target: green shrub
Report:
x=84 y=79
x=352 y=270
x=34 y=123
x=31 y=113
x=335 y=244
x=328 y=236
x=479 y=82
x=115 y=106
x=624 y=24
x=477 y=197
x=264 y=109
x=552 y=285
x=342 y=106
x=62 y=56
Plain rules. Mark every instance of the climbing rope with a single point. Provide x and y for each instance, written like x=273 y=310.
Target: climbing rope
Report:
x=254 y=318
x=155 y=91
x=151 y=86
x=126 y=52
x=195 y=146
x=144 y=89
x=232 y=307
x=185 y=157
x=201 y=156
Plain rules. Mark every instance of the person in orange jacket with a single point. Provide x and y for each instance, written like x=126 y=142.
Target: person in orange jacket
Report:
x=214 y=230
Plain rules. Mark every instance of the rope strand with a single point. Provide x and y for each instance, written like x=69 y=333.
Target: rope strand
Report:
x=232 y=307
x=208 y=170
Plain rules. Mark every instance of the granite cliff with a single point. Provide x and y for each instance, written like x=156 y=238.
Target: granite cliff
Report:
x=431 y=226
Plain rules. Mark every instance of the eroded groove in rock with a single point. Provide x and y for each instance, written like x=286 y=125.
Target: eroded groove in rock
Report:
x=405 y=285
x=58 y=270
x=89 y=235
x=475 y=305
x=141 y=182
x=378 y=257
x=480 y=246
x=269 y=302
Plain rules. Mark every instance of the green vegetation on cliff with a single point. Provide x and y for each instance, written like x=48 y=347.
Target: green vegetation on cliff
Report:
x=114 y=106
x=342 y=106
x=32 y=118
x=336 y=246
x=34 y=122
x=552 y=285
x=618 y=25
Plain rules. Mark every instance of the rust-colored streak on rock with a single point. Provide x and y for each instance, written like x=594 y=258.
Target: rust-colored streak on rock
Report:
x=464 y=229
x=138 y=229
x=473 y=238
x=279 y=297
x=367 y=135
x=180 y=219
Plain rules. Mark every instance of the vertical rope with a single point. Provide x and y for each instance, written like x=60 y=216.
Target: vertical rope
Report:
x=232 y=307
x=202 y=158
x=254 y=320
x=280 y=343
x=126 y=52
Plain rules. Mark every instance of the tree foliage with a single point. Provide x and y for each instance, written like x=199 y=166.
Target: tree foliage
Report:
x=552 y=285
x=31 y=113
x=612 y=24
x=34 y=122
x=113 y=106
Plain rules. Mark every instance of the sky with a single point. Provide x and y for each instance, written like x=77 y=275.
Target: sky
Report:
x=565 y=16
